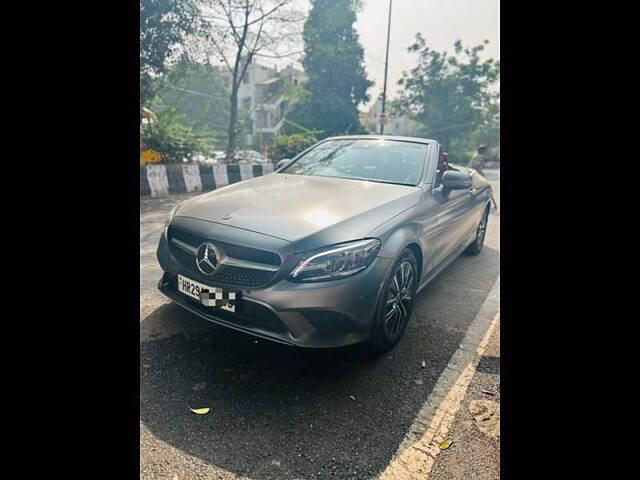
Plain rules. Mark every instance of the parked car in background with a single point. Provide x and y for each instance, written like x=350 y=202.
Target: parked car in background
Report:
x=218 y=155
x=241 y=156
x=330 y=249
x=212 y=159
x=250 y=156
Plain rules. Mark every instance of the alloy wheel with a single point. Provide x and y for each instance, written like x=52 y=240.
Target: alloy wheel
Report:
x=399 y=299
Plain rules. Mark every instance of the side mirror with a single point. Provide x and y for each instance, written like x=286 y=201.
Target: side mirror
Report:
x=283 y=163
x=453 y=180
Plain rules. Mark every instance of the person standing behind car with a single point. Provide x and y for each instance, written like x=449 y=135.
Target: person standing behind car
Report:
x=479 y=159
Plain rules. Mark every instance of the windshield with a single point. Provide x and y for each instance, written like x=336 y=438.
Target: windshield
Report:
x=376 y=160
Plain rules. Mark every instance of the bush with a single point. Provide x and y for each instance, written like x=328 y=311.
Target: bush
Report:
x=288 y=146
x=460 y=158
x=173 y=140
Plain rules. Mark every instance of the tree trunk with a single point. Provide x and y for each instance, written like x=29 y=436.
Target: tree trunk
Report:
x=233 y=120
x=238 y=72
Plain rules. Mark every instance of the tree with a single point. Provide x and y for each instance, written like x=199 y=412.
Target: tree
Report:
x=164 y=24
x=201 y=94
x=288 y=146
x=488 y=132
x=448 y=95
x=240 y=30
x=334 y=63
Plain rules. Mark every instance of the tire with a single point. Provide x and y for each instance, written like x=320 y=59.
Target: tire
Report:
x=476 y=246
x=388 y=328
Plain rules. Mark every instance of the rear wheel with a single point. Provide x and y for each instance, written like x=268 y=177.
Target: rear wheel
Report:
x=478 y=242
x=396 y=302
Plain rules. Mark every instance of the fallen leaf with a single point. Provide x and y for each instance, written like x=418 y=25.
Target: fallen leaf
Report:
x=445 y=444
x=200 y=411
x=352 y=397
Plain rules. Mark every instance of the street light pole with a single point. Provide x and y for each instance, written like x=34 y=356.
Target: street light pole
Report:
x=386 y=64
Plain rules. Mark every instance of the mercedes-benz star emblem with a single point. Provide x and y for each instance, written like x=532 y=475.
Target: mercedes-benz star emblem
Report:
x=207 y=258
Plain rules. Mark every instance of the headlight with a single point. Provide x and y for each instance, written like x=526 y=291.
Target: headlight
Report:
x=168 y=221
x=338 y=262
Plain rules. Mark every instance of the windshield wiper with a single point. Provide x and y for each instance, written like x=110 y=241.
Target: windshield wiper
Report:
x=362 y=179
x=383 y=181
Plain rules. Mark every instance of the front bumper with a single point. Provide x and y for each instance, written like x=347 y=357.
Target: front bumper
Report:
x=317 y=315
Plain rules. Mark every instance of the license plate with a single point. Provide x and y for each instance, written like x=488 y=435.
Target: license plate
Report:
x=207 y=295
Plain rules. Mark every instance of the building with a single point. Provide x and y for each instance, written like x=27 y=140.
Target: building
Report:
x=395 y=125
x=261 y=93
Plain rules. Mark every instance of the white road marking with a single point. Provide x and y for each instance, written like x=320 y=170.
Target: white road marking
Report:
x=417 y=452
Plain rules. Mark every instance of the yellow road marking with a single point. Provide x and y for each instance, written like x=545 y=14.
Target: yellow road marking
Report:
x=415 y=457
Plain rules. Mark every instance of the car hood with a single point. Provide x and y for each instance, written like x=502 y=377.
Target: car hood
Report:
x=295 y=207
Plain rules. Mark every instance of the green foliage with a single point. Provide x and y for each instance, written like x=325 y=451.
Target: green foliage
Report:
x=163 y=26
x=334 y=63
x=299 y=128
x=449 y=95
x=201 y=94
x=458 y=157
x=170 y=137
x=488 y=133
x=288 y=146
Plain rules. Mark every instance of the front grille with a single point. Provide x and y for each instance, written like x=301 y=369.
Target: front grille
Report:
x=250 y=254
x=235 y=251
x=246 y=277
x=225 y=274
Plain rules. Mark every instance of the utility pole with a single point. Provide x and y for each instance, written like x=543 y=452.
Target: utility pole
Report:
x=386 y=64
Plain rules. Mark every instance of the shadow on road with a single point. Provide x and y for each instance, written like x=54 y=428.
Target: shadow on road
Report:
x=281 y=412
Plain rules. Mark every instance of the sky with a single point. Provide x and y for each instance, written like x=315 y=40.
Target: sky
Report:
x=441 y=22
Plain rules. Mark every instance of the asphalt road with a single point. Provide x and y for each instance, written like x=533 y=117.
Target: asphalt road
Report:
x=279 y=412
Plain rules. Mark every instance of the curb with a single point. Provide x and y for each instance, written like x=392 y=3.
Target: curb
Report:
x=417 y=451
x=161 y=180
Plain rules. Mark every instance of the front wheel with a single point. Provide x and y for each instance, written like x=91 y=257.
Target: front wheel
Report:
x=396 y=302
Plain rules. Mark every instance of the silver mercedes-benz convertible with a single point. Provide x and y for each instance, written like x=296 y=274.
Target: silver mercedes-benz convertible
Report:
x=330 y=249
